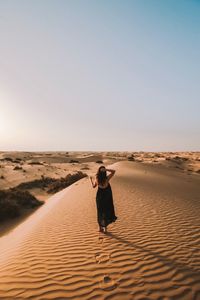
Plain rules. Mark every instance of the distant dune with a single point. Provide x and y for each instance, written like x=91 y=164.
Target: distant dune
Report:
x=151 y=252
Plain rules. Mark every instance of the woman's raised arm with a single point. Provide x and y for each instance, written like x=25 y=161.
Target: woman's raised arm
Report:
x=111 y=174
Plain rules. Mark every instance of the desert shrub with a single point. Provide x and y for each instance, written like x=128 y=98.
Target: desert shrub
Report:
x=74 y=161
x=37 y=183
x=17 y=168
x=8 y=209
x=35 y=163
x=53 y=185
x=130 y=157
x=24 y=198
x=62 y=183
x=6 y=159
x=99 y=161
x=179 y=158
x=157 y=155
x=13 y=200
x=17 y=160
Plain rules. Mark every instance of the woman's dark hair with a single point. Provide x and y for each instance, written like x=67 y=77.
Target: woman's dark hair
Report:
x=101 y=175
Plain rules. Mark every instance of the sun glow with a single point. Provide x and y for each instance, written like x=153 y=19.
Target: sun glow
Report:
x=3 y=124
x=6 y=116
x=6 y=123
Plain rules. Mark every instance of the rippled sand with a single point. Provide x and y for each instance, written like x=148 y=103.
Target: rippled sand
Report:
x=151 y=252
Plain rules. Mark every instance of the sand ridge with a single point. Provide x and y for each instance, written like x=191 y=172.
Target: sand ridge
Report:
x=151 y=252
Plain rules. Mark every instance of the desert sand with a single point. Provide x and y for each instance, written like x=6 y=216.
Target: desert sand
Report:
x=151 y=252
x=32 y=168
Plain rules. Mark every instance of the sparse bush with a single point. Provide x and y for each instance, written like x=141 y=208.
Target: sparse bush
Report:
x=177 y=159
x=17 y=168
x=24 y=198
x=99 y=162
x=37 y=183
x=62 y=183
x=9 y=209
x=17 y=160
x=35 y=163
x=7 y=159
x=157 y=155
x=74 y=161
x=131 y=158
x=53 y=185
x=13 y=200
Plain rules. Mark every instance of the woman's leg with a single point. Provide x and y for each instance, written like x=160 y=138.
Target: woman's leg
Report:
x=101 y=228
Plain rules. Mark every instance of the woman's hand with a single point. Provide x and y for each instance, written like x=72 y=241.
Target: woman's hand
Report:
x=94 y=184
x=110 y=170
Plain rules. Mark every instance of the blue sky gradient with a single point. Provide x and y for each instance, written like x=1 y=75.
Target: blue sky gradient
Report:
x=100 y=75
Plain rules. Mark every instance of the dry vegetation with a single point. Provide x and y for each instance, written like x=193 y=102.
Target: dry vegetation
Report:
x=13 y=201
x=52 y=185
x=24 y=174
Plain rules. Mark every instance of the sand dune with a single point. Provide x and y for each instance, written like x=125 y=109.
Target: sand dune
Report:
x=151 y=252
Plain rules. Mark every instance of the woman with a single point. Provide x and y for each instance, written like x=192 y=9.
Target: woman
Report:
x=104 y=198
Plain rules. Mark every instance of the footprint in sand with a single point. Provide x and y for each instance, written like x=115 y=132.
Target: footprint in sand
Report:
x=102 y=257
x=108 y=283
x=101 y=239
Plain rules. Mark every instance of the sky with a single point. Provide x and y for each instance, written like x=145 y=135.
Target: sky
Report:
x=100 y=75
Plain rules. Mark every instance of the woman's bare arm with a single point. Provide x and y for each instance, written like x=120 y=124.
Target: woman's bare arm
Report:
x=111 y=174
x=94 y=183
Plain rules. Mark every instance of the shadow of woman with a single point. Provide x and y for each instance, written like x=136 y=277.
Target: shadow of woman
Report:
x=165 y=261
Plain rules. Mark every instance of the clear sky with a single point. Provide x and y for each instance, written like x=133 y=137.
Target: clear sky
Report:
x=100 y=75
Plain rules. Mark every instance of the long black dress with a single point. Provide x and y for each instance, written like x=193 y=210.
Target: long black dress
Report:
x=105 y=207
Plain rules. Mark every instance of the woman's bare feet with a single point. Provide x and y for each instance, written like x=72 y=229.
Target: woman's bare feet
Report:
x=101 y=229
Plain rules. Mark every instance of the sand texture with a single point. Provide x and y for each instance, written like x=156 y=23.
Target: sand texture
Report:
x=151 y=252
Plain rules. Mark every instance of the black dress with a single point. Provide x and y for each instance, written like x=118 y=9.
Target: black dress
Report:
x=105 y=207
